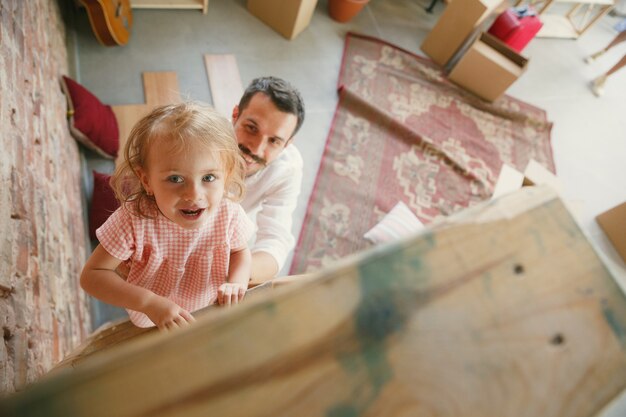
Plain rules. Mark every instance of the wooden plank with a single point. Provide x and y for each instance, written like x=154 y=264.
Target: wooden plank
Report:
x=539 y=5
x=159 y=88
x=127 y=115
x=225 y=82
x=202 y=5
x=109 y=336
x=171 y=4
x=592 y=2
x=115 y=334
x=501 y=310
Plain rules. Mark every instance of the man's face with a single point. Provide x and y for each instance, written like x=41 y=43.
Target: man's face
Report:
x=262 y=131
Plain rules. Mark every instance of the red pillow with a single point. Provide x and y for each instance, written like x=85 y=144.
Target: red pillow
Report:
x=91 y=123
x=103 y=202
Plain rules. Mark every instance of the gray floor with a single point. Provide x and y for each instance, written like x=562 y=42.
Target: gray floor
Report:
x=589 y=134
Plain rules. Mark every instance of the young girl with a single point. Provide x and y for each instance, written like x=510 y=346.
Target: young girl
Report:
x=178 y=231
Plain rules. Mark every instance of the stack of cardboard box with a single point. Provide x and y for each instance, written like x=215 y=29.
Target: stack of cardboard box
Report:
x=475 y=60
x=287 y=17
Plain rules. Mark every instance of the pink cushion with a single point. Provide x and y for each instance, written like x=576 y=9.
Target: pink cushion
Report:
x=103 y=202
x=91 y=123
x=504 y=25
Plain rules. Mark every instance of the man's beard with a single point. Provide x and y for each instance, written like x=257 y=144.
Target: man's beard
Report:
x=257 y=159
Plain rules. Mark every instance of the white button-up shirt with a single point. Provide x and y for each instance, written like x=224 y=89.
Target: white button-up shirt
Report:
x=270 y=200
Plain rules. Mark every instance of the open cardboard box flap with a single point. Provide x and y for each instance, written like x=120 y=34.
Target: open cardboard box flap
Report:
x=487 y=67
x=613 y=223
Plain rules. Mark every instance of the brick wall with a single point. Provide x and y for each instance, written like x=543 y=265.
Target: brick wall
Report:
x=43 y=312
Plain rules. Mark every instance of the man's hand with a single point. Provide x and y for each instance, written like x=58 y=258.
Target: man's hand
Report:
x=166 y=314
x=231 y=293
x=264 y=267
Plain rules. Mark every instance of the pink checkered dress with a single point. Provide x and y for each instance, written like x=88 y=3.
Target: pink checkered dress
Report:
x=187 y=266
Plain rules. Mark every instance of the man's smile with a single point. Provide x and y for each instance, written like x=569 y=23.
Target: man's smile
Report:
x=250 y=158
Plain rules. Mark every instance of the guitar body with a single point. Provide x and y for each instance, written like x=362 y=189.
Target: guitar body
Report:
x=110 y=20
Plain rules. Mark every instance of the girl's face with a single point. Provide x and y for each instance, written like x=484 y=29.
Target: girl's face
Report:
x=187 y=185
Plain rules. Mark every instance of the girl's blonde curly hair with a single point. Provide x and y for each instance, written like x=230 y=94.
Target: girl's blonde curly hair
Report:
x=184 y=125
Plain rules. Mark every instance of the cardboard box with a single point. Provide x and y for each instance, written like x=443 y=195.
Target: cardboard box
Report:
x=488 y=67
x=613 y=222
x=458 y=21
x=287 y=17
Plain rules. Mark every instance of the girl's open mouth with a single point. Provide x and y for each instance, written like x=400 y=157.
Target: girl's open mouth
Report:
x=192 y=214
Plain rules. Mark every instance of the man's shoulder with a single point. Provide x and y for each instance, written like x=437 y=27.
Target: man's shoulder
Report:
x=291 y=156
x=285 y=172
x=288 y=163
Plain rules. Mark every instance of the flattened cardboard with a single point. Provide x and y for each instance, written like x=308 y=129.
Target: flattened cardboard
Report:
x=287 y=17
x=488 y=67
x=511 y=179
x=613 y=223
x=458 y=21
x=537 y=174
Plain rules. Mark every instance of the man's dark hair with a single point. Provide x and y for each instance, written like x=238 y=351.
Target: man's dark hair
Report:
x=284 y=96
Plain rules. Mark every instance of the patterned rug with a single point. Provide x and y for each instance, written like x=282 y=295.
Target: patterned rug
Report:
x=403 y=132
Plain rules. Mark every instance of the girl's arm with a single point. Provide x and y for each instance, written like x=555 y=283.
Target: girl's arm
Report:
x=100 y=280
x=232 y=291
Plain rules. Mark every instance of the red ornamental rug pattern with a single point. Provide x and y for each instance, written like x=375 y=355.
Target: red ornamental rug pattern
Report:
x=403 y=132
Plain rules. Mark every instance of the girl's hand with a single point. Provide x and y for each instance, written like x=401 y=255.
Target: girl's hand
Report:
x=231 y=293
x=166 y=314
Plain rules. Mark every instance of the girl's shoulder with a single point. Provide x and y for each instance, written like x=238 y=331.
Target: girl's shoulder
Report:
x=226 y=214
x=230 y=208
x=128 y=218
x=236 y=216
x=228 y=204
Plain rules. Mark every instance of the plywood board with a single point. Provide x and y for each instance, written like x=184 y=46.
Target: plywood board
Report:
x=127 y=115
x=159 y=88
x=225 y=82
x=115 y=334
x=502 y=310
x=203 y=5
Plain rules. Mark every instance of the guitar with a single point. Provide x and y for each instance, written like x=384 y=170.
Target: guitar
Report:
x=110 y=20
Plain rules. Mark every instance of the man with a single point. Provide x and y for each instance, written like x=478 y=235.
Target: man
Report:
x=268 y=116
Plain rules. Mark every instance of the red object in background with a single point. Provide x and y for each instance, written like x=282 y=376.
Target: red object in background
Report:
x=103 y=203
x=515 y=31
